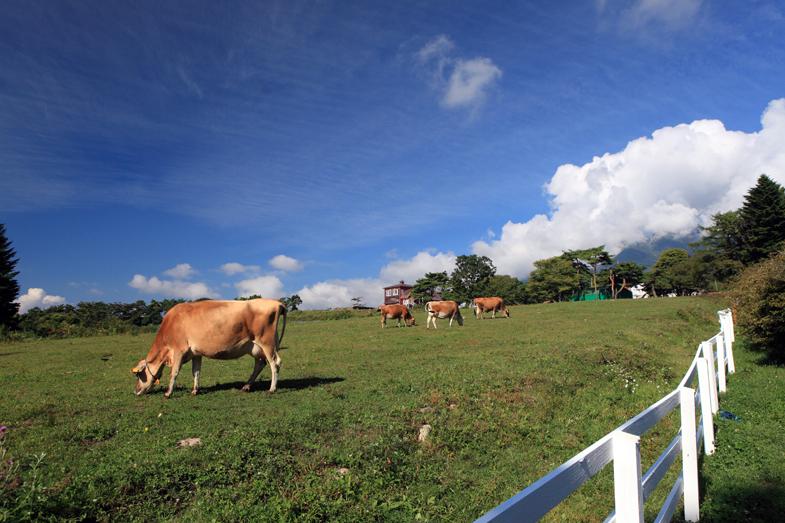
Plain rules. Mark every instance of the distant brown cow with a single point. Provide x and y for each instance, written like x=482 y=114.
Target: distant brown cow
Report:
x=396 y=311
x=483 y=305
x=222 y=330
x=443 y=309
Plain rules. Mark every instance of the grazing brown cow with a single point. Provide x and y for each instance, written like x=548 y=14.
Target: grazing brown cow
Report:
x=443 y=309
x=482 y=305
x=396 y=311
x=221 y=330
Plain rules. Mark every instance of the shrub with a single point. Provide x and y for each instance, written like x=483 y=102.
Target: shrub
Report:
x=759 y=299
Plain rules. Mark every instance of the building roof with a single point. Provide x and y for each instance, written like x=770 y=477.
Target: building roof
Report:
x=399 y=285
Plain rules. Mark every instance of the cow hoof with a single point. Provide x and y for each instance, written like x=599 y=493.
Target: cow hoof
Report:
x=194 y=392
x=167 y=395
x=246 y=388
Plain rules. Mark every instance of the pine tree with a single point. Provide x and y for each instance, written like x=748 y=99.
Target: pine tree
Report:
x=763 y=220
x=9 y=288
x=432 y=284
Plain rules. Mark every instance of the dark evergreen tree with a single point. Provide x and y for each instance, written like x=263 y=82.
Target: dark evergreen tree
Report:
x=9 y=288
x=763 y=220
x=430 y=286
x=724 y=237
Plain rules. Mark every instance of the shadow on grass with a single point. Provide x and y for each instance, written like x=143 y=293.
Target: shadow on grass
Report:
x=767 y=360
x=261 y=385
x=264 y=385
x=9 y=353
x=761 y=501
x=767 y=356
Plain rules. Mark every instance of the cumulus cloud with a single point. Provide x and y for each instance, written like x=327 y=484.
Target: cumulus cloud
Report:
x=285 y=263
x=664 y=185
x=414 y=268
x=232 y=268
x=181 y=271
x=339 y=293
x=265 y=286
x=171 y=288
x=37 y=297
x=461 y=82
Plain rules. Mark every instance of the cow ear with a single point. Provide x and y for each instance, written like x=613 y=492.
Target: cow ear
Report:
x=139 y=368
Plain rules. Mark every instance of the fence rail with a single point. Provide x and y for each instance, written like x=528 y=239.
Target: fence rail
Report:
x=712 y=363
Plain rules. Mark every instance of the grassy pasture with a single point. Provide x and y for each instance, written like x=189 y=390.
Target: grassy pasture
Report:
x=508 y=400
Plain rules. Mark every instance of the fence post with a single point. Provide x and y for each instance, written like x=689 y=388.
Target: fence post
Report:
x=730 y=337
x=730 y=324
x=721 y=360
x=627 y=477
x=689 y=454
x=708 y=353
x=704 y=386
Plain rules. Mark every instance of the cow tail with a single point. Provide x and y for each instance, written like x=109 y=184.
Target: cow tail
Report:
x=281 y=312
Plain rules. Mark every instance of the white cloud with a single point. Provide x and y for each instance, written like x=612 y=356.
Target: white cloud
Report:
x=173 y=289
x=232 y=268
x=285 y=263
x=414 y=268
x=181 y=271
x=674 y=14
x=37 y=297
x=470 y=81
x=339 y=293
x=461 y=82
x=266 y=286
x=663 y=185
x=437 y=48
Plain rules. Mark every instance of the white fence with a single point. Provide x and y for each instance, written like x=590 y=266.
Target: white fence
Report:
x=622 y=446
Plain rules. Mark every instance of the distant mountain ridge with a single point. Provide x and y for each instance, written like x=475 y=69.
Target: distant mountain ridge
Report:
x=647 y=252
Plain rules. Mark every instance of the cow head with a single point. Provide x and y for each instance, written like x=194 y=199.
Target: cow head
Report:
x=410 y=321
x=506 y=312
x=145 y=377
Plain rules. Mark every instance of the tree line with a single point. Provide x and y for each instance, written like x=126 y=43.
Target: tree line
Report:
x=731 y=243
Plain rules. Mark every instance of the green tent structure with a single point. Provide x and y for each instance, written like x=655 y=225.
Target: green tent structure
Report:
x=603 y=293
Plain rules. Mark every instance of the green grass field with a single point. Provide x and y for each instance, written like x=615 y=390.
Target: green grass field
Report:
x=508 y=400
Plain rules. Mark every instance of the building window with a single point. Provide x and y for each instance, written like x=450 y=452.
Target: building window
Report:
x=395 y=292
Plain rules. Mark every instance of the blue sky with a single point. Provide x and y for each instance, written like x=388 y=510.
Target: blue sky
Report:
x=366 y=142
